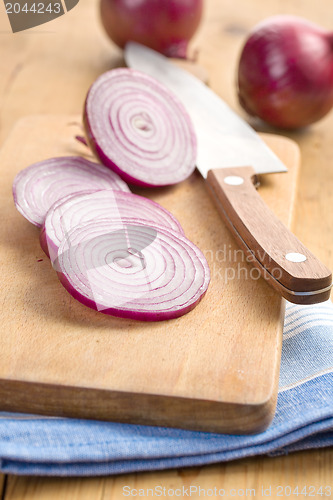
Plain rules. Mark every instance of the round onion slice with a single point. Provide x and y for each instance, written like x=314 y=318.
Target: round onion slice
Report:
x=132 y=270
x=47 y=245
x=38 y=186
x=79 y=209
x=139 y=129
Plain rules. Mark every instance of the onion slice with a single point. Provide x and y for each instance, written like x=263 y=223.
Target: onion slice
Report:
x=116 y=205
x=38 y=186
x=132 y=270
x=138 y=128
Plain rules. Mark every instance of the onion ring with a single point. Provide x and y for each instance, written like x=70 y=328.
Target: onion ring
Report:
x=132 y=270
x=38 y=186
x=116 y=205
x=139 y=129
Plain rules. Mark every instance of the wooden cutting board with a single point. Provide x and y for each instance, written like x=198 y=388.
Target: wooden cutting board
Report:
x=214 y=369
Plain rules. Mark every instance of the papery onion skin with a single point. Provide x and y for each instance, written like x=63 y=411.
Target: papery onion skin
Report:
x=285 y=72
x=149 y=139
x=171 y=253
x=163 y=25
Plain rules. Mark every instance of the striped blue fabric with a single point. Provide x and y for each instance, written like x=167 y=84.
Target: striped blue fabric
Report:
x=35 y=445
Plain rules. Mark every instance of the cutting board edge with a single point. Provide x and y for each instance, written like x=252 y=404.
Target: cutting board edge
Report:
x=109 y=405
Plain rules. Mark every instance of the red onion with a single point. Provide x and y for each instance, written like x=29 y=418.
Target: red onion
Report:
x=38 y=186
x=285 y=73
x=81 y=139
x=139 y=129
x=163 y=25
x=79 y=209
x=132 y=270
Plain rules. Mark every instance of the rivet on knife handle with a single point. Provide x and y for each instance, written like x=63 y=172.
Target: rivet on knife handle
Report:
x=269 y=245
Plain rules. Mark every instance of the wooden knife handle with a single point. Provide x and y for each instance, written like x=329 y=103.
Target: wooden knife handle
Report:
x=268 y=244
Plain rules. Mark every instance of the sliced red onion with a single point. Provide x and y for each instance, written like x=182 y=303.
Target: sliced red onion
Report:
x=38 y=186
x=132 y=270
x=139 y=129
x=81 y=139
x=44 y=243
x=116 y=205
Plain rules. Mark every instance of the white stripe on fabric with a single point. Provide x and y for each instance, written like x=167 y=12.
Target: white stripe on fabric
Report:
x=308 y=312
x=305 y=326
x=300 y=382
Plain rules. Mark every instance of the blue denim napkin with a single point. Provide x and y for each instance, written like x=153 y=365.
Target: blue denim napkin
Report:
x=31 y=444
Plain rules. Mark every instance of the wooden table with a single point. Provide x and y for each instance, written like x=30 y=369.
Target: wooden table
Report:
x=48 y=70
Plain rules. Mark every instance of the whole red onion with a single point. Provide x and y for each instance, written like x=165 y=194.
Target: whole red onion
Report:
x=285 y=73
x=163 y=25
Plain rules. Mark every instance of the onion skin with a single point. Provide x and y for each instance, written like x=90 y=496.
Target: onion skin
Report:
x=163 y=25
x=285 y=72
x=43 y=241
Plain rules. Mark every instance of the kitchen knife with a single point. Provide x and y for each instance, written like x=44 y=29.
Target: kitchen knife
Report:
x=230 y=155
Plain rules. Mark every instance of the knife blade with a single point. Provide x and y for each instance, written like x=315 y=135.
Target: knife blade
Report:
x=230 y=155
x=241 y=144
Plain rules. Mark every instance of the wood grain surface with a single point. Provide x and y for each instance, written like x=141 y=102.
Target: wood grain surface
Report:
x=214 y=369
x=247 y=478
x=49 y=69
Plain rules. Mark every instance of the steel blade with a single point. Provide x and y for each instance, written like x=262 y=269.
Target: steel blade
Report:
x=224 y=139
